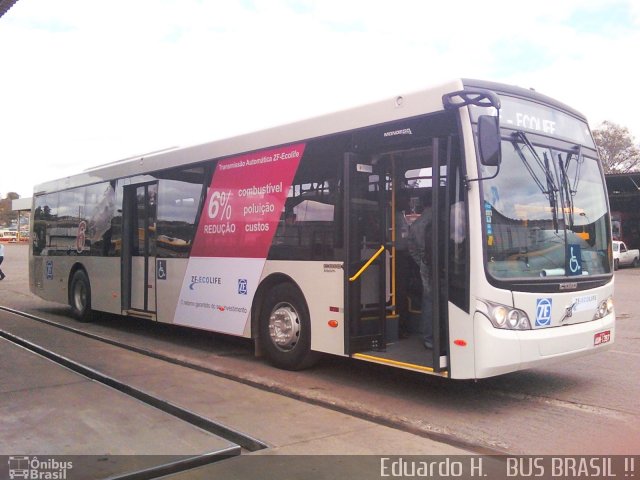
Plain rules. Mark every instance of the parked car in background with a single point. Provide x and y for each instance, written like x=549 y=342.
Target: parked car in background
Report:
x=10 y=236
x=624 y=257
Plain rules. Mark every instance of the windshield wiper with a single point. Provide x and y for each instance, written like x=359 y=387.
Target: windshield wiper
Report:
x=579 y=161
x=551 y=187
x=525 y=140
x=566 y=194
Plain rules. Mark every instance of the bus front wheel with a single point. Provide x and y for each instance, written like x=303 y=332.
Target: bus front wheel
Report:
x=285 y=329
x=80 y=296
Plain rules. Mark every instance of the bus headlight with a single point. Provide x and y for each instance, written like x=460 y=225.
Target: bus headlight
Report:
x=503 y=316
x=514 y=318
x=604 y=309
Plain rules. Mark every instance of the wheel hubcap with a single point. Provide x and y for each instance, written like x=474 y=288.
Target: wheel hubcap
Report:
x=80 y=297
x=284 y=327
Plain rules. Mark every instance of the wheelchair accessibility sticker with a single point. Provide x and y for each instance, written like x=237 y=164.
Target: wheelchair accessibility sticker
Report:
x=161 y=270
x=543 y=312
x=574 y=259
x=49 y=269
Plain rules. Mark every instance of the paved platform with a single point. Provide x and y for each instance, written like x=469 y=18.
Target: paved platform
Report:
x=47 y=409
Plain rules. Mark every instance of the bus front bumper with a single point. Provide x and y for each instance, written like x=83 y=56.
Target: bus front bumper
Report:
x=499 y=351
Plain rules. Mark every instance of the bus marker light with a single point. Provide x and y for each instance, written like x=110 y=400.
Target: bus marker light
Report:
x=460 y=343
x=333 y=323
x=334 y=309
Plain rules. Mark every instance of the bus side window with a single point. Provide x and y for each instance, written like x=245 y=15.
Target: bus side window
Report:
x=100 y=208
x=306 y=227
x=178 y=200
x=41 y=215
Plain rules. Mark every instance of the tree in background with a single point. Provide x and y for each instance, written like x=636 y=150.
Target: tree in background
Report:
x=6 y=214
x=616 y=148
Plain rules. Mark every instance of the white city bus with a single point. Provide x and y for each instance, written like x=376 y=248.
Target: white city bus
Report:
x=297 y=236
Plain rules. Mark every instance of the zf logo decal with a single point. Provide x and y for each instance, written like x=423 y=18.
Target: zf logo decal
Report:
x=543 y=312
x=242 y=286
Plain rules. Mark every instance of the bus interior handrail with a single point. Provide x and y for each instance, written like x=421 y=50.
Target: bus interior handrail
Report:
x=366 y=265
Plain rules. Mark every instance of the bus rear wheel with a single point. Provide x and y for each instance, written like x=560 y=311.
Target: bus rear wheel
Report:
x=285 y=329
x=80 y=296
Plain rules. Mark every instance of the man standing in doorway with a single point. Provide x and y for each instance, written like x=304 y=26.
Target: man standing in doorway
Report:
x=420 y=251
x=2 y=275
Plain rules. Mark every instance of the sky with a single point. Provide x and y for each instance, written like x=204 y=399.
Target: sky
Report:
x=87 y=82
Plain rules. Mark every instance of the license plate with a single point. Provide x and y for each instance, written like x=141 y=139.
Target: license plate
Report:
x=601 y=337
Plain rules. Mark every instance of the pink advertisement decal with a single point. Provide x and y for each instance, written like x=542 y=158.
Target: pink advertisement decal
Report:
x=244 y=203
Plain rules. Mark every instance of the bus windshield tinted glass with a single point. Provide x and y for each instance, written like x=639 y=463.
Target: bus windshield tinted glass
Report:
x=545 y=213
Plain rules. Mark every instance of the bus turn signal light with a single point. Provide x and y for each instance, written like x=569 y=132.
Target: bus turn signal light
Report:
x=333 y=323
x=460 y=343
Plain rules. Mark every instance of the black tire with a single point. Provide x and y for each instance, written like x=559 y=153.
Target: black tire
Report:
x=616 y=264
x=636 y=262
x=285 y=329
x=80 y=296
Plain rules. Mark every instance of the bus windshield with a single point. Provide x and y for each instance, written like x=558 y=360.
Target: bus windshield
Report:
x=545 y=213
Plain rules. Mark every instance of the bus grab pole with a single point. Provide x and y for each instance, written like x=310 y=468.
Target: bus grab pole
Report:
x=366 y=265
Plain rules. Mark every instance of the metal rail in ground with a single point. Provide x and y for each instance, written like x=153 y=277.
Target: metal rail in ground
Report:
x=243 y=440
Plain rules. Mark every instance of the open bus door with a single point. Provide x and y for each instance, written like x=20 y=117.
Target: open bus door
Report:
x=139 y=249
x=383 y=291
x=366 y=291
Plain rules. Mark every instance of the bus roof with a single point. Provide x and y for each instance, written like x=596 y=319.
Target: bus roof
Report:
x=388 y=110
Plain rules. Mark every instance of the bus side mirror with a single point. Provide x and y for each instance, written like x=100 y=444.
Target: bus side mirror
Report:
x=489 y=140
